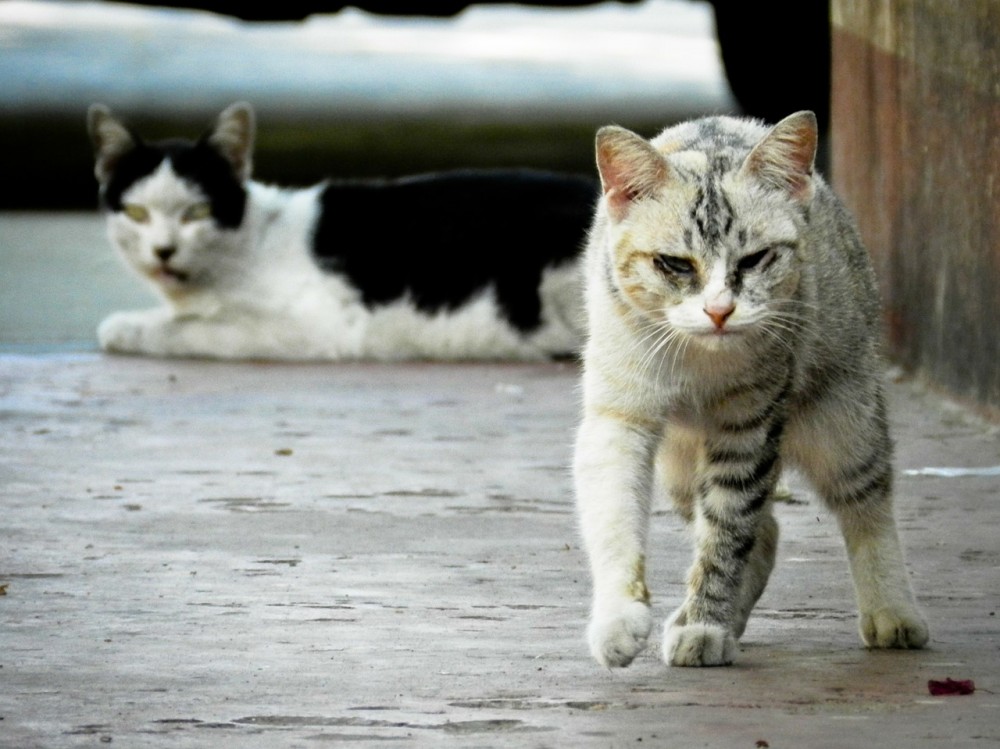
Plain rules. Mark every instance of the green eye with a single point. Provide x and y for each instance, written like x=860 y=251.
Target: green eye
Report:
x=137 y=213
x=197 y=212
x=677 y=266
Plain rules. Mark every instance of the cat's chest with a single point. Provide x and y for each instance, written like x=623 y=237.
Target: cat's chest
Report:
x=711 y=393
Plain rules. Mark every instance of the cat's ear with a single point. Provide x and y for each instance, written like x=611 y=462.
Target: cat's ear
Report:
x=630 y=168
x=784 y=158
x=233 y=137
x=111 y=141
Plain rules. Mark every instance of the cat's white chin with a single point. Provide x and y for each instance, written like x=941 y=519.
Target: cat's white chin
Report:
x=719 y=340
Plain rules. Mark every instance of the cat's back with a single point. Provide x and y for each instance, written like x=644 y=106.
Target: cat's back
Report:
x=525 y=213
x=440 y=239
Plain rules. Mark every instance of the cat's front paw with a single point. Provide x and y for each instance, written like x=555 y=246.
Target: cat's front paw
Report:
x=893 y=628
x=129 y=332
x=616 y=639
x=697 y=644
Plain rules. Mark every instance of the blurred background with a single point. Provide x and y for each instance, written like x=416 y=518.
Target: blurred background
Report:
x=907 y=91
x=376 y=90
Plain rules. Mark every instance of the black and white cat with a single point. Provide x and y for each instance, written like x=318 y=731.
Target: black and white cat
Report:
x=454 y=265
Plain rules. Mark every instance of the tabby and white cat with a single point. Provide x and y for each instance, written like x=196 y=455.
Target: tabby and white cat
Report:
x=733 y=330
x=456 y=265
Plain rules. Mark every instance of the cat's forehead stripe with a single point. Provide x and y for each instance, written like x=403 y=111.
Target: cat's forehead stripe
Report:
x=712 y=213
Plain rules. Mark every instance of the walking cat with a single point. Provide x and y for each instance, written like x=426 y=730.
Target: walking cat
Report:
x=733 y=330
x=456 y=265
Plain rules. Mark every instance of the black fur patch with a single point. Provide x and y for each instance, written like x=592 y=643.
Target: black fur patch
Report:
x=209 y=170
x=140 y=162
x=442 y=238
x=197 y=163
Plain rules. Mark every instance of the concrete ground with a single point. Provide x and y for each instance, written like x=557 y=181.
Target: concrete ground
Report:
x=275 y=555
x=204 y=554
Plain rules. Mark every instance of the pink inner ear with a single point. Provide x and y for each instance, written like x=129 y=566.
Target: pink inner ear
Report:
x=628 y=172
x=799 y=183
x=802 y=152
x=614 y=182
x=619 y=202
x=611 y=172
x=784 y=158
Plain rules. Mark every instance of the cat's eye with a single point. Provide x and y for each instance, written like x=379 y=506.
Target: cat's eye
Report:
x=197 y=212
x=137 y=213
x=678 y=266
x=757 y=260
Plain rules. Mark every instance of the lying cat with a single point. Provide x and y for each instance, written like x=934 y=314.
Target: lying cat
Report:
x=456 y=265
x=733 y=329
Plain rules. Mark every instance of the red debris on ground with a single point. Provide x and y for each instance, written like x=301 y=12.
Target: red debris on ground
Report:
x=951 y=686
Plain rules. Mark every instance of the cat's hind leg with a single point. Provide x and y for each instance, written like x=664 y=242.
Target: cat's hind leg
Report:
x=888 y=614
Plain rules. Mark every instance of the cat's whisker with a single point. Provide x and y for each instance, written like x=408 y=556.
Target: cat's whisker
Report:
x=650 y=330
x=786 y=323
x=668 y=341
x=782 y=328
x=665 y=338
x=780 y=337
x=678 y=352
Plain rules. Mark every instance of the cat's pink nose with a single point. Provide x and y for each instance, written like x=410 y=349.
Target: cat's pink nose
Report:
x=719 y=313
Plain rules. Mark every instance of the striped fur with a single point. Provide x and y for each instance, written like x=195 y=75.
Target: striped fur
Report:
x=732 y=331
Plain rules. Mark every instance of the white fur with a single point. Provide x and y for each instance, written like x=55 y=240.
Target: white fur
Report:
x=617 y=636
x=696 y=644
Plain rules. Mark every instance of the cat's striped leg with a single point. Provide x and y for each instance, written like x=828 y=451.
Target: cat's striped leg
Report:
x=758 y=570
x=853 y=475
x=681 y=459
x=850 y=463
x=613 y=476
x=735 y=538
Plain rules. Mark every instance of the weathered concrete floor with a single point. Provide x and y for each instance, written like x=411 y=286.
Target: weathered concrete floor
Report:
x=245 y=555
